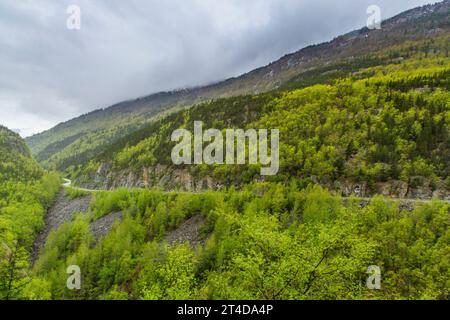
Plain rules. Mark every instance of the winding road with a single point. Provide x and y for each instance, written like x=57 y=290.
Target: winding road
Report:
x=68 y=184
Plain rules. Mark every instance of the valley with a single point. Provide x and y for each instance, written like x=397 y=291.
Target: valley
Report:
x=363 y=179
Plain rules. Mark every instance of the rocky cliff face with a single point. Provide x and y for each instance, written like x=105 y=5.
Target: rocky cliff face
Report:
x=394 y=189
x=160 y=176
x=172 y=179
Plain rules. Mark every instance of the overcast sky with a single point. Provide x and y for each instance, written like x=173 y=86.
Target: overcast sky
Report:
x=127 y=49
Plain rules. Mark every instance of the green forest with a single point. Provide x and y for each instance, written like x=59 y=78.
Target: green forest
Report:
x=381 y=124
x=283 y=239
x=267 y=241
x=26 y=193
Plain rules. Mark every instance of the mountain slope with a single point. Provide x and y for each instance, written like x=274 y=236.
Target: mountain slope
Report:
x=383 y=129
x=15 y=158
x=79 y=140
x=26 y=191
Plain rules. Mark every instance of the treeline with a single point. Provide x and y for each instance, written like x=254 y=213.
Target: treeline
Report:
x=268 y=241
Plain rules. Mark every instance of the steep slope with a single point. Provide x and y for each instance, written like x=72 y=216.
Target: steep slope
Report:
x=263 y=242
x=78 y=140
x=26 y=191
x=382 y=129
x=15 y=158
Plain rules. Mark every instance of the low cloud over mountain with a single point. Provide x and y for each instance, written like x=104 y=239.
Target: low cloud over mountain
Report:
x=124 y=50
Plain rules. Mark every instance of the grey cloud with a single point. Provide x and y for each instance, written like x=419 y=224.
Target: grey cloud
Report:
x=127 y=49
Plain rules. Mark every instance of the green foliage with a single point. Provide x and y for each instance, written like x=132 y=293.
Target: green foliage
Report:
x=78 y=141
x=267 y=241
x=376 y=109
x=413 y=249
x=26 y=193
x=389 y=125
x=15 y=159
x=107 y=202
x=172 y=277
x=73 y=193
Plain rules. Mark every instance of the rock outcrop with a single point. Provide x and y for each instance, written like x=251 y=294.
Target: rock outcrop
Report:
x=160 y=176
x=189 y=232
x=102 y=226
x=169 y=178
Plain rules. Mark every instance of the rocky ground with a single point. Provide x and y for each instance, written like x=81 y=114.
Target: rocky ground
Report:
x=63 y=210
x=102 y=226
x=189 y=231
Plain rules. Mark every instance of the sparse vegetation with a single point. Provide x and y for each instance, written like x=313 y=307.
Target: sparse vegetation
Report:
x=74 y=193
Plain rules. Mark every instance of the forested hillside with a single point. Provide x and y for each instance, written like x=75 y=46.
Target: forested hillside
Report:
x=267 y=241
x=363 y=119
x=26 y=192
x=15 y=158
x=383 y=128
x=78 y=140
